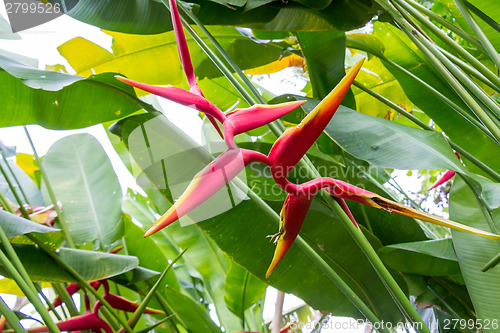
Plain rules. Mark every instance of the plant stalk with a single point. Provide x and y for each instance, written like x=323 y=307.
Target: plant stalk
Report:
x=490 y=49
x=24 y=285
x=465 y=154
x=451 y=43
x=82 y=282
x=11 y=317
x=436 y=57
x=450 y=26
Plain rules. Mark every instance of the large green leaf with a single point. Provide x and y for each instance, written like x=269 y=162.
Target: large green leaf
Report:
x=16 y=227
x=473 y=252
x=325 y=54
x=401 y=50
x=78 y=102
x=432 y=258
x=83 y=179
x=243 y=290
x=243 y=229
x=154 y=59
x=190 y=313
x=151 y=17
x=391 y=145
x=149 y=254
x=90 y=265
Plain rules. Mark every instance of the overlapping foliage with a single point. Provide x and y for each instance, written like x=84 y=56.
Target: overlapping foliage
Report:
x=422 y=95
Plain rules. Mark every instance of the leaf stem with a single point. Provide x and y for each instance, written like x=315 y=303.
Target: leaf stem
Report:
x=443 y=65
x=14 y=192
x=23 y=281
x=451 y=43
x=138 y=312
x=81 y=281
x=11 y=317
x=62 y=220
x=448 y=25
x=479 y=33
x=489 y=171
x=442 y=97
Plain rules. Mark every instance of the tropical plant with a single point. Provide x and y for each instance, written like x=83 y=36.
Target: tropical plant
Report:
x=427 y=90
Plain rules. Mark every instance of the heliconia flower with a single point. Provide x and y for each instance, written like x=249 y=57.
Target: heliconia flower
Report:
x=88 y=321
x=206 y=183
x=292 y=217
x=350 y=192
x=244 y=120
x=182 y=46
x=292 y=145
x=234 y=123
x=444 y=178
x=300 y=197
x=123 y=304
x=3 y=320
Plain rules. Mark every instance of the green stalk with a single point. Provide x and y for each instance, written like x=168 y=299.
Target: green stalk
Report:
x=11 y=317
x=436 y=57
x=66 y=298
x=47 y=301
x=81 y=281
x=158 y=323
x=441 y=96
x=451 y=43
x=450 y=26
x=492 y=263
x=479 y=33
x=465 y=154
x=15 y=178
x=469 y=69
x=29 y=291
x=62 y=220
x=138 y=312
x=14 y=192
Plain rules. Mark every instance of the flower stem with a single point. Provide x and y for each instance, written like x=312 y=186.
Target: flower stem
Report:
x=439 y=61
x=450 y=26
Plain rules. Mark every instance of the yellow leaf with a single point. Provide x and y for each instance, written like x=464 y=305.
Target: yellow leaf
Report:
x=275 y=66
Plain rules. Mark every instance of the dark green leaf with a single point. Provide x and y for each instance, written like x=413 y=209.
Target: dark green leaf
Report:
x=79 y=103
x=243 y=289
x=473 y=252
x=431 y=258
